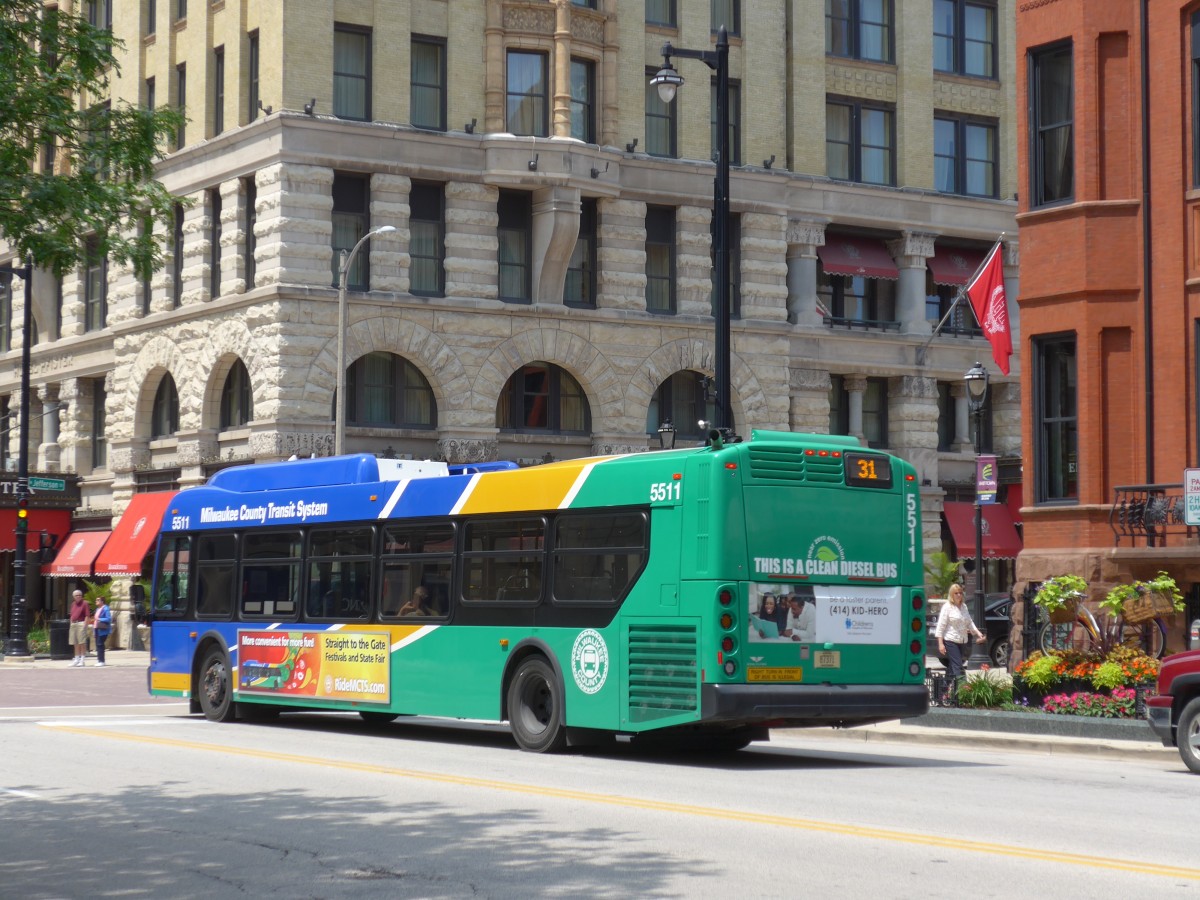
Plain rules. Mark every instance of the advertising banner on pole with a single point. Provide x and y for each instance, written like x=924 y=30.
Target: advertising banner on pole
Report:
x=986 y=483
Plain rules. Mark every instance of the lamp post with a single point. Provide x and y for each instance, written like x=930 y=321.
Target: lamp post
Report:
x=668 y=81
x=344 y=264
x=17 y=644
x=977 y=386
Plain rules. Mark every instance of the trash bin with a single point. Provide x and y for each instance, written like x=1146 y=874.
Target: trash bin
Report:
x=60 y=639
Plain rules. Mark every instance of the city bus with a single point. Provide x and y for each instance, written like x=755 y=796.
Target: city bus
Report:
x=613 y=597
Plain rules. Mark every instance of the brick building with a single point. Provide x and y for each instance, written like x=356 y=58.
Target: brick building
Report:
x=547 y=287
x=1110 y=314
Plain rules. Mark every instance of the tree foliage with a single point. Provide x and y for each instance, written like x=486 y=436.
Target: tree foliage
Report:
x=55 y=72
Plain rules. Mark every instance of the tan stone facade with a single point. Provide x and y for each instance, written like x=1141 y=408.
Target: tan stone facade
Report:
x=274 y=308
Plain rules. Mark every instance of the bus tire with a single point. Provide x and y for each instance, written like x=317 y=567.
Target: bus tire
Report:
x=214 y=687
x=374 y=717
x=535 y=707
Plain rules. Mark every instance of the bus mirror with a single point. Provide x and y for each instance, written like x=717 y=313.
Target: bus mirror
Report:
x=137 y=593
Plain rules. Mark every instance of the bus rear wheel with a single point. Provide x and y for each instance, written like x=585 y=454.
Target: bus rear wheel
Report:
x=216 y=693
x=535 y=708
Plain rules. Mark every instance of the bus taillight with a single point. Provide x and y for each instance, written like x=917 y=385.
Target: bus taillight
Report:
x=730 y=667
x=918 y=601
x=917 y=625
x=727 y=644
x=725 y=596
x=914 y=648
x=726 y=621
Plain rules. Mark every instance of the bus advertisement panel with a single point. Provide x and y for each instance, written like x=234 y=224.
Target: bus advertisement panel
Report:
x=704 y=595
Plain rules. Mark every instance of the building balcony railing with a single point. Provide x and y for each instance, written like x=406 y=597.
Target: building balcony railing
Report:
x=1149 y=513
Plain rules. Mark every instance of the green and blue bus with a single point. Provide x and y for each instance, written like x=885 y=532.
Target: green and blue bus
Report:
x=702 y=595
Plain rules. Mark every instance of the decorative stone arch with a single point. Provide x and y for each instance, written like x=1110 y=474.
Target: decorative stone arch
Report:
x=746 y=393
x=233 y=343
x=435 y=359
x=575 y=354
x=159 y=357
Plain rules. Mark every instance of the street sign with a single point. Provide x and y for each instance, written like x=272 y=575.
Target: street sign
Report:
x=47 y=484
x=1191 y=496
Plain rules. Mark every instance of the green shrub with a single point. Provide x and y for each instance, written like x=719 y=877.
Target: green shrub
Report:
x=985 y=690
x=1041 y=673
x=1108 y=675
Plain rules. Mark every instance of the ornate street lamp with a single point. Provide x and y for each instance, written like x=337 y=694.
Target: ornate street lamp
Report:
x=666 y=435
x=977 y=387
x=668 y=81
x=17 y=644
x=347 y=260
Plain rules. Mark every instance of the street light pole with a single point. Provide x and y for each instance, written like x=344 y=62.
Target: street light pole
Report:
x=668 y=81
x=344 y=264
x=18 y=644
x=977 y=387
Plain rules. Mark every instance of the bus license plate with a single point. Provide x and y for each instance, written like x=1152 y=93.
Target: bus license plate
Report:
x=775 y=674
x=827 y=659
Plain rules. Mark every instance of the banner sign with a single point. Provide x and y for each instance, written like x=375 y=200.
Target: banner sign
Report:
x=986 y=478
x=327 y=665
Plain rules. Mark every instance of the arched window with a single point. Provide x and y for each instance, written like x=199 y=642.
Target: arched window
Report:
x=683 y=400
x=543 y=397
x=385 y=390
x=164 y=420
x=237 y=402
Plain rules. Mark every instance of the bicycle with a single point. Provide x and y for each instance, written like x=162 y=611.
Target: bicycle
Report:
x=1085 y=633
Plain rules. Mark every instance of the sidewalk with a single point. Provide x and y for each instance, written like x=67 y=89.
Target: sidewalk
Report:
x=119 y=658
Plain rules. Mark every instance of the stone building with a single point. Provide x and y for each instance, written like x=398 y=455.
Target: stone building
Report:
x=547 y=288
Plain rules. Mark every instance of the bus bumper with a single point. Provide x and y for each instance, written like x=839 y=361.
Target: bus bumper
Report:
x=800 y=705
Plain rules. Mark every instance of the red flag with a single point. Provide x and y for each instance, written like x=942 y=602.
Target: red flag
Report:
x=986 y=291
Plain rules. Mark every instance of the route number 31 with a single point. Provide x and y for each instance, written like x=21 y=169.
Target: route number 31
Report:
x=664 y=491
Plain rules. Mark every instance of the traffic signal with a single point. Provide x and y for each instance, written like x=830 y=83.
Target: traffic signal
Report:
x=23 y=514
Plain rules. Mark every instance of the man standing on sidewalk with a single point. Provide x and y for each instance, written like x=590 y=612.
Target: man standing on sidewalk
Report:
x=79 y=627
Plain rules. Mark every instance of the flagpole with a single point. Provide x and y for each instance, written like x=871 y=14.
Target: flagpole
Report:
x=962 y=289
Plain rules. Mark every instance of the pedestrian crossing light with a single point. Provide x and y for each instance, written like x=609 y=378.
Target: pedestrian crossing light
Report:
x=23 y=514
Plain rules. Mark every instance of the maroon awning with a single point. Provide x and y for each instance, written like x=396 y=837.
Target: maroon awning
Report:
x=1000 y=538
x=77 y=554
x=954 y=265
x=865 y=257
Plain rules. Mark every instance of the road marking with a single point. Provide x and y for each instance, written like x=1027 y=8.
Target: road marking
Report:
x=25 y=795
x=7 y=709
x=688 y=809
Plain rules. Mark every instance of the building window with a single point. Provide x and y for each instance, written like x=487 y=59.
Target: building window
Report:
x=735 y=119
x=515 y=233
x=146 y=276
x=964 y=37
x=1055 y=419
x=1051 y=126
x=151 y=17
x=427 y=84
x=95 y=286
x=214 y=243
x=218 y=90
x=180 y=9
x=164 y=417
x=151 y=94
x=351 y=73
x=939 y=298
x=177 y=258
x=250 y=244
x=964 y=156
x=859 y=29
x=874 y=410
x=685 y=401
x=6 y=297
x=427 y=239
x=583 y=100
x=860 y=143
x=99 y=425
x=543 y=397
x=237 y=401
x=660 y=121
x=727 y=13
x=947 y=417
x=661 y=12
x=586 y=4
x=527 y=88
x=735 y=266
x=660 y=259
x=252 y=74
x=580 y=289
x=351 y=217
x=384 y=390
x=857 y=301
x=181 y=104
x=99 y=14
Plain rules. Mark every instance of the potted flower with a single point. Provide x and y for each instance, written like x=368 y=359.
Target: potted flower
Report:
x=1060 y=595
x=1143 y=600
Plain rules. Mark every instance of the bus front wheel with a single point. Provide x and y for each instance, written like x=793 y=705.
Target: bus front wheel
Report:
x=535 y=707
x=216 y=693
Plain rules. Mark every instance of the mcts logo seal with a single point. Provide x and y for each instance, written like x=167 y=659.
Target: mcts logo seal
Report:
x=589 y=661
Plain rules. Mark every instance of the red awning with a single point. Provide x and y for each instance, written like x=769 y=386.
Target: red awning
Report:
x=52 y=521
x=954 y=265
x=134 y=535
x=77 y=553
x=866 y=257
x=1000 y=539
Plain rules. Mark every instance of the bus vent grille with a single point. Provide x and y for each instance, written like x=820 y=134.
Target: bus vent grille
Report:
x=662 y=671
x=790 y=464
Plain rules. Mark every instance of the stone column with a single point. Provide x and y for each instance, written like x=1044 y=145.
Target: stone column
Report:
x=856 y=386
x=556 y=212
x=193 y=449
x=391 y=264
x=693 y=261
x=804 y=236
x=49 y=453
x=621 y=254
x=1006 y=418
x=197 y=243
x=295 y=225
x=912 y=422
x=809 y=400
x=472 y=247
x=494 y=70
x=560 y=125
x=964 y=441
x=233 y=237
x=75 y=396
x=764 y=275
x=1012 y=290
x=910 y=252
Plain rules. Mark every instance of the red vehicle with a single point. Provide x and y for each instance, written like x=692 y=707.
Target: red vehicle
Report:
x=1174 y=711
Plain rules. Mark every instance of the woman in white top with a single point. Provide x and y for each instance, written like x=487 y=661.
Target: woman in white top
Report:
x=953 y=632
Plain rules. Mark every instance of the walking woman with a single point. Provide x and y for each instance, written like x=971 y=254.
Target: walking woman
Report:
x=953 y=632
